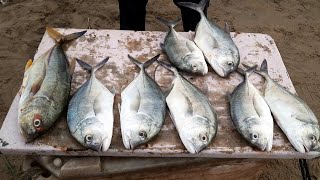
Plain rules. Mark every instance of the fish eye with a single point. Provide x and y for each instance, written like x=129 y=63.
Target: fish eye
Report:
x=88 y=138
x=313 y=138
x=194 y=66
x=37 y=123
x=204 y=138
x=143 y=134
x=230 y=63
x=254 y=136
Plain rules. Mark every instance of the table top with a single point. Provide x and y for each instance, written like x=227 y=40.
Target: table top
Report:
x=119 y=71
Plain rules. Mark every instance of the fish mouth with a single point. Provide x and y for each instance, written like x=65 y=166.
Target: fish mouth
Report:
x=218 y=69
x=105 y=144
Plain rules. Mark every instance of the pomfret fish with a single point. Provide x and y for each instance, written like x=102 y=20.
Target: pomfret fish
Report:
x=251 y=115
x=216 y=44
x=143 y=108
x=90 y=112
x=292 y=114
x=191 y=113
x=45 y=88
x=182 y=52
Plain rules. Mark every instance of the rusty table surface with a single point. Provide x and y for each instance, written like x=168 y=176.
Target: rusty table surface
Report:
x=95 y=45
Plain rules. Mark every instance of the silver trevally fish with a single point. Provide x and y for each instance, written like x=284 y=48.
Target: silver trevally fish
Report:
x=143 y=108
x=216 y=44
x=182 y=52
x=251 y=115
x=292 y=114
x=191 y=113
x=45 y=88
x=90 y=112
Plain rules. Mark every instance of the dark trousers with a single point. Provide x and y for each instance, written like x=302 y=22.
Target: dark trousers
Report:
x=133 y=14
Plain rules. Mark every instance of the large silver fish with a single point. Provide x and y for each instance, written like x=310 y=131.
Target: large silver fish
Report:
x=90 y=112
x=182 y=52
x=251 y=115
x=191 y=113
x=216 y=44
x=143 y=108
x=45 y=88
x=292 y=114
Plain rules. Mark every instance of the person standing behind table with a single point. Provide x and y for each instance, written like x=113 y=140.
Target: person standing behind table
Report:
x=133 y=14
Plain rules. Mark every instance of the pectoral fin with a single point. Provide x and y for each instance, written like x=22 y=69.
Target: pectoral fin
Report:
x=260 y=105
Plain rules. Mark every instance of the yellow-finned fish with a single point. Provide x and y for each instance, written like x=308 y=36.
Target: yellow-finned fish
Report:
x=45 y=88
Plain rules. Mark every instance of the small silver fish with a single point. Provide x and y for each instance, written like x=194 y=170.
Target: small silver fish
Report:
x=143 y=108
x=292 y=114
x=182 y=52
x=45 y=88
x=251 y=115
x=90 y=112
x=216 y=44
x=191 y=113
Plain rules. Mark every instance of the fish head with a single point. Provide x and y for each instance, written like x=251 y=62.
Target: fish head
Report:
x=224 y=61
x=139 y=129
x=34 y=118
x=197 y=134
x=196 y=63
x=306 y=138
x=258 y=133
x=94 y=135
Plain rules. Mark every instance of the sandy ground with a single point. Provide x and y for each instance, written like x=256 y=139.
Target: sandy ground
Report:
x=294 y=25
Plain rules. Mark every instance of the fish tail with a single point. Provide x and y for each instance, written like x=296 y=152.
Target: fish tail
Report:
x=145 y=64
x=170 y=24
x=90 y=68
x=198 y=7
x=169 y=67
x=60 y=38
x=248 y=72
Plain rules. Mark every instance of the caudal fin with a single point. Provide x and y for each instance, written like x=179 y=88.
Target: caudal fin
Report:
x=169 y=67
x=198 y=7
x=263 y=68
x=90 y=68
x=145 y=64
x=60 y=38
x=170 y=24
x=248 y=72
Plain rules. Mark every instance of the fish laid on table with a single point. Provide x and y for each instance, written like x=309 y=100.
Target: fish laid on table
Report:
x=251 y=114
x=191 y=113
x=90 y=112
x=292 y=114
x=45 y=88
x=143 y=108
x=216 y=43
x=182 y=52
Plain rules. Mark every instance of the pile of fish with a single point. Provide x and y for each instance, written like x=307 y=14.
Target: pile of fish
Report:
x=47 y=82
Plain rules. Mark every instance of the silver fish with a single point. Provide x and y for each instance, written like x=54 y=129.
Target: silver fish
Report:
x=191 y=113
x=182 y=52
x=251 y=115
x=90 y=112
x=143 y=108
x=45 y=88
x=216 y=44
x=292 y=114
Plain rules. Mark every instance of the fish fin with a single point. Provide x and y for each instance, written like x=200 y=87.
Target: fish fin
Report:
x=113 y=90
x=60 y=38
x=35 y=88
x=198 y=7
x=97 y=106
x=190 y=46
x=264 y=66
x=162 y=46
x=170 y=24
x=226 y=28
x=169 y=67
x=167 y=91
x=90 y=68
x=189 y=111
x=248 y=72
x=302 y=118
x=28 y=64
x=258 y=106
x=72 y=66
x=145 y=64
